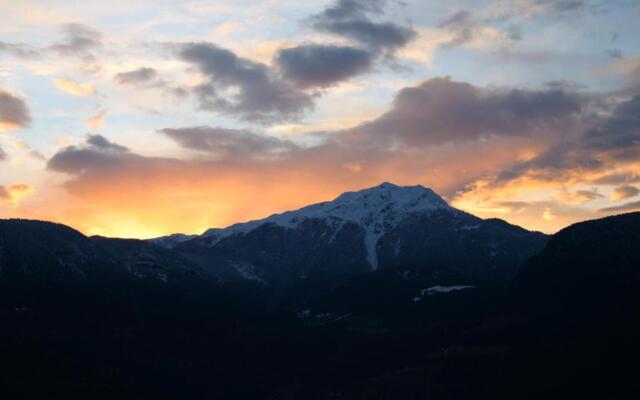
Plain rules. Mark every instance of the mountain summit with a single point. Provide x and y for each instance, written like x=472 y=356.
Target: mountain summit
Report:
x=409 y=229
x=376 y=210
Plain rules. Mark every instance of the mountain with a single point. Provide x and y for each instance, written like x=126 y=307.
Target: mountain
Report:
x=51 y=254
x=567 y=328
x=173 y=240
x=410 y=230
x=392 y=239
x=92 y=317
x=589 y=267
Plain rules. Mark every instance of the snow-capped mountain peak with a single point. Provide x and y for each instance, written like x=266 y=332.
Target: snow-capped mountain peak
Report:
x=376 y=209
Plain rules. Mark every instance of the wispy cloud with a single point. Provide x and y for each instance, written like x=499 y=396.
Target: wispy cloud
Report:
x=74 y=88
x=97 y=121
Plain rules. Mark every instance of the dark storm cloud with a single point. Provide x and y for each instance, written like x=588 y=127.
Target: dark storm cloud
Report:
x=440 y=110
x=13 y=110
x=138 y=76
x=19 y=50
x=314 y=65
x=351 y=19
x=229 y=143
x=632 y=206
x=78 y=40
x=239 y=86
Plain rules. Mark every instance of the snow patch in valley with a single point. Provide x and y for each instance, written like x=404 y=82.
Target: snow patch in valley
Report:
x=435 y=290
x=444 y=289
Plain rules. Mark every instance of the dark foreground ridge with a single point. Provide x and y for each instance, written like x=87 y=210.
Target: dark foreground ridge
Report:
x=294 y=306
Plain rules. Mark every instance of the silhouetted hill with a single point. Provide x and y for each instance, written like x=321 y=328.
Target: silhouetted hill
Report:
x=588 y=269
x=113 y=318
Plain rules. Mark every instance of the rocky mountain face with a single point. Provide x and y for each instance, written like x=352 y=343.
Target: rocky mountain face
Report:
x=387 y=227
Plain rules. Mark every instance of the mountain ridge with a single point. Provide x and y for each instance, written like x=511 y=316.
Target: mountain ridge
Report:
x=365 y=207
x=323 y=245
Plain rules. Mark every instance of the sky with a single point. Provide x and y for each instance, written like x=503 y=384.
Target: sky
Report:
x=145 y=118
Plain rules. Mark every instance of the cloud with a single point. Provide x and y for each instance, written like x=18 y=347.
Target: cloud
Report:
x=110 y=183
x=462 y=25
x=12 y=194
x=350 y=19
x=78 y=40
x=74 y=88
x=229 y=143
x=3 y=154
x=579 y=196
x=247 y=89
x=429 y=136
x=627 y=71
x=602 y=147
x=441 y=110
x=14 y=113
x=143 y=75
x=218 y=184
x=313 y=65
x=548 y=215
x=614 y=53
x=625 y=192
x=99 y=142
x=617 y=178
x=97 y=121
x=147 y=77
x=19 y=50
x=527 y=9
x=497 y=23
x=97 y=152
x=613 y=140
x=632 y=206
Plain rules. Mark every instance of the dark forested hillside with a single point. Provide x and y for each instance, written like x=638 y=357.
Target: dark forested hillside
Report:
x=108 y=318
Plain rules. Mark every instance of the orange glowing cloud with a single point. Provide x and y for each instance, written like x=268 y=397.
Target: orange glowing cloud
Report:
x=115 y=192
x=490 y=152
x=97 y=121
x=12 y=194
x=74 y=88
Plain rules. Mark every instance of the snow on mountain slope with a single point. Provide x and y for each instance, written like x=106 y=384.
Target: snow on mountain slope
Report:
x=172 y=241
x=376 y=210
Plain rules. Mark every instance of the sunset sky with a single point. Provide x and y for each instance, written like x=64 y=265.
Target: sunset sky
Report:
x=143 y=118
